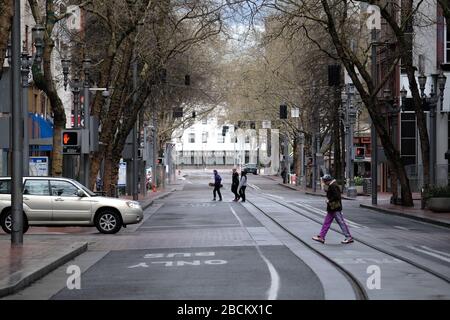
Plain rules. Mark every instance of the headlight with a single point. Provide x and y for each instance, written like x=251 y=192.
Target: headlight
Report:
x=133 y=204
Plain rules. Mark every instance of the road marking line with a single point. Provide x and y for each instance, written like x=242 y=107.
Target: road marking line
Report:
x=272 y=292
x=436 y=251
x=402 y=228
x=430 y=253
x=194 y=225
x=254 y=186
x=272 y=195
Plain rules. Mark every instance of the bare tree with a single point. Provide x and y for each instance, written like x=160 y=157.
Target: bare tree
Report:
x=6 y=13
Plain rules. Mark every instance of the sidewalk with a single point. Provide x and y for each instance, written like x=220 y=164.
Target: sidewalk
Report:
x=151 y=196
x=20 y=266
x=383 y=205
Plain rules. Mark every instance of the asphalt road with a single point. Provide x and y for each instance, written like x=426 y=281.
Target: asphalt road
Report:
x=190 y=247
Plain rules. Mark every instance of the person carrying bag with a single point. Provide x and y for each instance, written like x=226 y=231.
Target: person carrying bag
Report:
x=334 y=211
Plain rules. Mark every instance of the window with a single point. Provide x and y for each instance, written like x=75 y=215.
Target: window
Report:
x=204 y=137
x=191 y=137
x=447 y=43
x=63 y=188
x=5 y=186
x=408 y=138
x=36 y=188
x=220 y=138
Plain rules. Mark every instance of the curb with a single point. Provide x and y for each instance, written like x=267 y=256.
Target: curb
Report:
x=43 y=271
x=401 y=214
x=147 y=204
x=312 y=193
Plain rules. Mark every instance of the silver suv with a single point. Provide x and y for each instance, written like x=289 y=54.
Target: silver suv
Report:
x=51 y=201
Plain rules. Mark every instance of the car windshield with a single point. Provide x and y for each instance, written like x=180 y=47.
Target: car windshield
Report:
x=89 y=192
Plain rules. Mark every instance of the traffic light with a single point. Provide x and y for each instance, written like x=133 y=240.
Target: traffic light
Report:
x=159 y=161
x=178 y=112
x=283 y=111
x=70 y=138
x=360 y=153
x=71 y=142
x=194 y=114
x=334 y=75
x=187 y=80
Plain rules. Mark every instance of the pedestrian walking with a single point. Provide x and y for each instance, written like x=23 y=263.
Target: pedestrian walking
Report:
x=217 y=185
x=243 y=185
x=284 y=175
x=334 y=211
x=235 y=184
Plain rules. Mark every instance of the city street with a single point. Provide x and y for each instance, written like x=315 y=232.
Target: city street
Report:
x=190 y=247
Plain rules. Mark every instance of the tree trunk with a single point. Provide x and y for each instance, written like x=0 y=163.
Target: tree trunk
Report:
x=6 y=13
x=44 y=81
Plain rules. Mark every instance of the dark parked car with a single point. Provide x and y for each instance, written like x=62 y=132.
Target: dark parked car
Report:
x=250 y=168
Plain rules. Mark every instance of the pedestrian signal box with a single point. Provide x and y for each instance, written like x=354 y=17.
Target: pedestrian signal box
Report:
x=71 y=141
x=360 y=153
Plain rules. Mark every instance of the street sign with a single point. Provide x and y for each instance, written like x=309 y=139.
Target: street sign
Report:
x=38 y=167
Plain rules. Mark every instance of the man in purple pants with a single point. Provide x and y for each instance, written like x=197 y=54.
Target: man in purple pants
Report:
x=334 y=211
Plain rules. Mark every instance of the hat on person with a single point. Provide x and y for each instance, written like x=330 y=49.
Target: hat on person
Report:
x=327 y=177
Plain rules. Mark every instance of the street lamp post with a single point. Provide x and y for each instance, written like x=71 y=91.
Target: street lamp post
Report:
x=86 y=120
x=350 y=117
x=393 y=109
x=17 y=137
x=20 y=66
x=25 y=72
x=432 y=101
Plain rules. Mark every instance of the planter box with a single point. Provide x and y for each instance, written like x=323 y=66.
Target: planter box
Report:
x=439 y=204
x=359 y=189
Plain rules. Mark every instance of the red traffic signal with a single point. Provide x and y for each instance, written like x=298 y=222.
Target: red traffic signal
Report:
x=70 y=138
x=360 y=153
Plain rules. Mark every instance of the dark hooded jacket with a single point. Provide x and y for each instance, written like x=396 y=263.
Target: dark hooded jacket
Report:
x=334 y=194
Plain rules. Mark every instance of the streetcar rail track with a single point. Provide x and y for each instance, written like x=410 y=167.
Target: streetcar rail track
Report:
x=358 y=288
x=389 y=253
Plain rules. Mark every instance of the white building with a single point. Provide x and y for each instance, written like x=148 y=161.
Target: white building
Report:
x=203 y=144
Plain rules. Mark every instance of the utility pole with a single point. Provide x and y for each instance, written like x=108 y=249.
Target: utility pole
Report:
x=134 y=135
x=25 y=71
x=16 y=134
x=374 y=155
x=86 y=120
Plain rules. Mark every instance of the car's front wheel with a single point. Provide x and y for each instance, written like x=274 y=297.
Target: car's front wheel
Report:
x=108 y=222
x=6 y=222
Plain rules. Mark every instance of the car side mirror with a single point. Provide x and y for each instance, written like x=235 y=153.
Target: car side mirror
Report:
x=80 y=193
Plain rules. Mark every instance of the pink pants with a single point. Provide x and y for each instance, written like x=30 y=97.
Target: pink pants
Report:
x=339 y=219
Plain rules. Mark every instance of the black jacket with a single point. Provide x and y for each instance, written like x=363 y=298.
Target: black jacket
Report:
x=235 y=180
x=334 y=194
